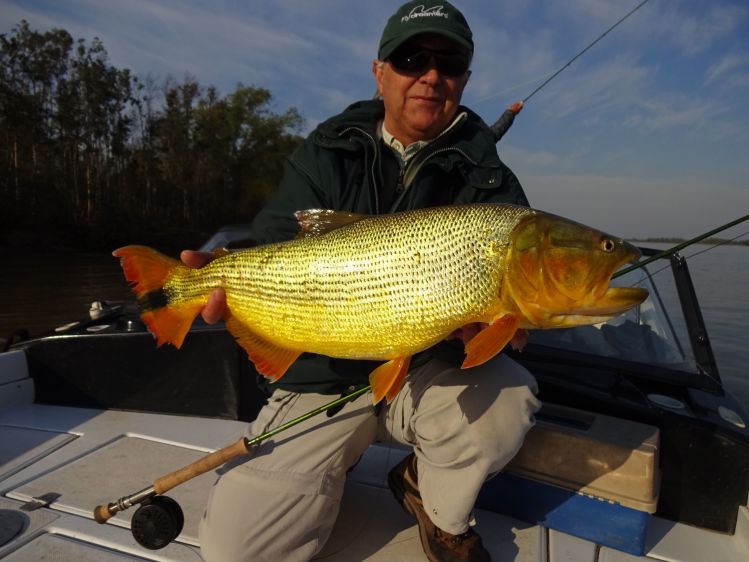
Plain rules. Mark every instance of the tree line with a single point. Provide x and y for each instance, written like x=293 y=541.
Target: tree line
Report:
x=90 y=148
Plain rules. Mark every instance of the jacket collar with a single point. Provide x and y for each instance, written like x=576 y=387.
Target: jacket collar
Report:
x=472 y=137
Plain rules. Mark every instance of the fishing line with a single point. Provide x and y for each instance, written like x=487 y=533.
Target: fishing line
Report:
x=690 y=256
x=549 y=76
x=510 y=89
x=581 y=53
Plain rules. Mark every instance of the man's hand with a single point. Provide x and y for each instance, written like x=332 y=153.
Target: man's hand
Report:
x=516 y=107
x=216 y=307
x=519 y=340
x=467 y=332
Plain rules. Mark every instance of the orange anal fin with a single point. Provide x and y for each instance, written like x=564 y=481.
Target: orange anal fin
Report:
x=270 y=360
x=387 y=379
x=490 y=341
x=171 y=324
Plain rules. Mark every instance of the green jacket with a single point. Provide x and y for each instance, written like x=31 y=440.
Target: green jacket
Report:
x=343 y=165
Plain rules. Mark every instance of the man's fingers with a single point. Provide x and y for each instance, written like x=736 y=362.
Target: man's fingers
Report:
x=519 y=340
x=214 y=310
x=192 y=258
x=470 y=331
x=516 y=107
x=467 y=332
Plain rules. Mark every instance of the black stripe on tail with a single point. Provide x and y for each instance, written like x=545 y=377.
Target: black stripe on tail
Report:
x=153 y=300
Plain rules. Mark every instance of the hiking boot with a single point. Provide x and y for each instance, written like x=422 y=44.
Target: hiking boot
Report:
x=438 y=545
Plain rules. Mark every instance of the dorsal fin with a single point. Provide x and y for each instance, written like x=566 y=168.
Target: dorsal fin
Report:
x=314 y=222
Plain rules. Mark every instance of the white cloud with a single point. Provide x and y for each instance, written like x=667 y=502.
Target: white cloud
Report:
x=695 y=117
x=732 y=70
x=616 y=83
x=699 y=32
x=530 y=158
x=638 y=207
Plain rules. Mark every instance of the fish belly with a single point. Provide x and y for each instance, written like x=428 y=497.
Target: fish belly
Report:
x=382 y=287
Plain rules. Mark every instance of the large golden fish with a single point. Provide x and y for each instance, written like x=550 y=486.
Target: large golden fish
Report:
x=385 y=287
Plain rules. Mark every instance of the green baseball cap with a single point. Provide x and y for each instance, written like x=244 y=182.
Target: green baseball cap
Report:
x=423 y=16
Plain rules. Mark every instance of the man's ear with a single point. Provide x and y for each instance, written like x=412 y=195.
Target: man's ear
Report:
x=377 y=69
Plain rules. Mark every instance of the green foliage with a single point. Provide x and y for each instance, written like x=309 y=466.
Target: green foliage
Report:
x=86 y=145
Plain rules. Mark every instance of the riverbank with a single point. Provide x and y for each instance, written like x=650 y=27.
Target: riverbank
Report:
x=96 y=239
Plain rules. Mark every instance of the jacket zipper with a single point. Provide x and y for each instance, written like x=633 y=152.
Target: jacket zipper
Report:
x=374 y=161
x=409 y=171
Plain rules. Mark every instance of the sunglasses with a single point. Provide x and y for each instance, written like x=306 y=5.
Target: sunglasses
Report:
x=415 y=59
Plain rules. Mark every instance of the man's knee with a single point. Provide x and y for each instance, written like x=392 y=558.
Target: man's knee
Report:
x=496 y=402
x=248 y=521
x=502 y=428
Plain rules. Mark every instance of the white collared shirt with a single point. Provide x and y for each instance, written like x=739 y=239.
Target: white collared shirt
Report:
x=404 y=153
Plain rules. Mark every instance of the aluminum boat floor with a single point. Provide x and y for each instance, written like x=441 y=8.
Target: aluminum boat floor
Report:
x=20 y=446
x=90 y=457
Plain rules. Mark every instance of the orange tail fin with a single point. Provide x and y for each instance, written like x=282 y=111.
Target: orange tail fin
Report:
x=147 y=270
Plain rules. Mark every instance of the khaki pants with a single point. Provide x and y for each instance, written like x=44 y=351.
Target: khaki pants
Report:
x=282 y=503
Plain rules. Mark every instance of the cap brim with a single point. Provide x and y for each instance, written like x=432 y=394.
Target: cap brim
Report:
x=388 y=49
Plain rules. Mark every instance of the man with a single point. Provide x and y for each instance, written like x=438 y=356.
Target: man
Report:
x=416 y=147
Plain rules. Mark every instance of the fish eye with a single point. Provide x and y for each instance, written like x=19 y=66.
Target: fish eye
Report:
x=608 y=245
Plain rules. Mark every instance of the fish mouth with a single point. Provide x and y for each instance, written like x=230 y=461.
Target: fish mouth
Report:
x=613 y=302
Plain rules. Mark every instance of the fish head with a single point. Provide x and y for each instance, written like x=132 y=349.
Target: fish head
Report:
x=558 y=272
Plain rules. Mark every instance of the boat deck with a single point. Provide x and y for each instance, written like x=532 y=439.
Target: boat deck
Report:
x=79 y=458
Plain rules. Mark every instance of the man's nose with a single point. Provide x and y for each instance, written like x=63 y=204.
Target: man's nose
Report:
x=431 y=75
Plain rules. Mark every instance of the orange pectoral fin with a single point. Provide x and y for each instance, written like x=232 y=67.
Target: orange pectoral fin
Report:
x=490 y=341
x=271 y=360
x=387 y=379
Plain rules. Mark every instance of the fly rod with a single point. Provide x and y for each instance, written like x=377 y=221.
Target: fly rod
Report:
x=680 y=246
x=581 y=53
x=500 y=127
x=147 y=534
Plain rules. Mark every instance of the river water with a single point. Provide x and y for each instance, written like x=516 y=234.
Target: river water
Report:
x=720 y=276
x=39 y=291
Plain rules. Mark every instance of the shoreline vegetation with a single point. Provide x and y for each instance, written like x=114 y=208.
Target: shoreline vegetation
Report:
x=92 y=156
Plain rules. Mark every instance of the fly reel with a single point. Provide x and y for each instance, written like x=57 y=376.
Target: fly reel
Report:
x=157 y=522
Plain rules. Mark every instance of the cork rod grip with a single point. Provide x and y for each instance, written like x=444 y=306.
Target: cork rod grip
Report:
x=200 y=466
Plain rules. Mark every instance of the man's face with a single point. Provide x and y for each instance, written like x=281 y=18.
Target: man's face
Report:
x=420 y=104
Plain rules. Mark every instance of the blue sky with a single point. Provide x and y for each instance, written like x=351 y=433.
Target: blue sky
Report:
x=646 y=135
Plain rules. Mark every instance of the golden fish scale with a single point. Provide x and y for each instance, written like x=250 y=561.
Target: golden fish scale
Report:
x=383 y=287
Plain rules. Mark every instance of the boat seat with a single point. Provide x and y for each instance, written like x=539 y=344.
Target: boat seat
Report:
x=597 y=455
x=578 y=468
